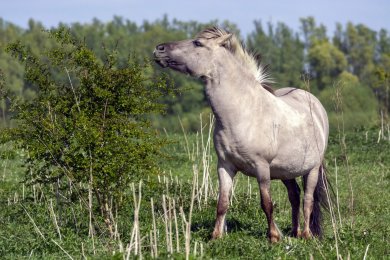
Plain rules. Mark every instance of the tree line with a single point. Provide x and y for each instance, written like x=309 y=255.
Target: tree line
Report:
x=348 y=70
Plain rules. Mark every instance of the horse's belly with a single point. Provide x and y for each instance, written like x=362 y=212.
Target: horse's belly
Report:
x=292 y=167
x=293 y=159
x=285 y=174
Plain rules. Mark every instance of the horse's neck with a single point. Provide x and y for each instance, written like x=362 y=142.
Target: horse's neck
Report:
x=233 y=95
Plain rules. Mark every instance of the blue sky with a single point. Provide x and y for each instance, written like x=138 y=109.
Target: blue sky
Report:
x=373 y=13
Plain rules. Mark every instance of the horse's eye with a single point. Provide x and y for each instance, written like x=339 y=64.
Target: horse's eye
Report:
x=197 y=43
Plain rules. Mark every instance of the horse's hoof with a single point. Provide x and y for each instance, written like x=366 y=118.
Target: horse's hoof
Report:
x=306 y=235
x=215 y=235
x=297 y=233
x=274 y=237
x=274 y=240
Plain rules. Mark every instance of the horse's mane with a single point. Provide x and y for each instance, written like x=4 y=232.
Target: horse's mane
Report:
x=259 y=71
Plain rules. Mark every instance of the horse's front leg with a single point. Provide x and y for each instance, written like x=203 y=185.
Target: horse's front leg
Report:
x=264 y=180
x=225 y=176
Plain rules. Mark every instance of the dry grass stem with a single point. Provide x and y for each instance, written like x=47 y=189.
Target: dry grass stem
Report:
x=53 y=215
x=63 y=250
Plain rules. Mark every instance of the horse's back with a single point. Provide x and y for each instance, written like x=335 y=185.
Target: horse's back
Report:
x=296 y=97
x=304 y=102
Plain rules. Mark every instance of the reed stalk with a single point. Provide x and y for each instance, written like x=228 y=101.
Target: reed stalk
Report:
x=63 y=250
x=135 y=240
x=53 y=215
x=155 y=247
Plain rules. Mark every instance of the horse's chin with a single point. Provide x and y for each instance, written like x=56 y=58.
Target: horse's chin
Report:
x=180 y=68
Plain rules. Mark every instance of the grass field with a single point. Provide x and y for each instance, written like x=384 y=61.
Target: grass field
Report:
x=172 y=215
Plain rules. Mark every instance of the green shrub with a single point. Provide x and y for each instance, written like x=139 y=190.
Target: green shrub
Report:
x=88 y=124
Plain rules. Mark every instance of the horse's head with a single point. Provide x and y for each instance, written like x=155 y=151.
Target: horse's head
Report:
x=195 y=56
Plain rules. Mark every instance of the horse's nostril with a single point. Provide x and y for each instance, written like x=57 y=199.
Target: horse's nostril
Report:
x=160 y=47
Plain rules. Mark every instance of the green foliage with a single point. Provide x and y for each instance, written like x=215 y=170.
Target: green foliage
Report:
x=359 y=44
x=312 y=32
x=290 y=54
x=326 y=63
x=382 y=86
x=88 y=122
x=281 y=49
x=349 y=103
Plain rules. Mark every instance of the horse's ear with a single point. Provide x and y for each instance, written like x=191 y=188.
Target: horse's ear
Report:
x=224 y=40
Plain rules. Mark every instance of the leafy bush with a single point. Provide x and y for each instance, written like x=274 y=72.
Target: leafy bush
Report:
x=90 y=125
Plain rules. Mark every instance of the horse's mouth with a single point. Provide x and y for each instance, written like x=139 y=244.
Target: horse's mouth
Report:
x=162 y=63
x=172 y=63
x=167 y=62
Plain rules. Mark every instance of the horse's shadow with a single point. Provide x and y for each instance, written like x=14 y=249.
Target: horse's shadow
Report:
x=206 y=227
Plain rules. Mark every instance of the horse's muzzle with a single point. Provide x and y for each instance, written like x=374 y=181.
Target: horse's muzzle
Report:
x=160 y=56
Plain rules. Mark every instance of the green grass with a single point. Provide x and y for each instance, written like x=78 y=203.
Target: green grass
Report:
x=362 y=224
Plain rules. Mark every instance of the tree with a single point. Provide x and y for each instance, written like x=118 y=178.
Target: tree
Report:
x=326 y=63
x=88 y=123
x=358 y=44
x=311 y=32
x=382 y=84
x=281 y=49
x=11 y=68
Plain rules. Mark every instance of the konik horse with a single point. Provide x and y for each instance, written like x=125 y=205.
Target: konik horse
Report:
x=262 y=133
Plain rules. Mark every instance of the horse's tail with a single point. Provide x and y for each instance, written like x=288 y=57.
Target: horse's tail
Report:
x=322 y=195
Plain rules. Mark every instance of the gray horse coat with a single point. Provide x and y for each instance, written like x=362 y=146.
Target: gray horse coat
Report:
x=264 y=134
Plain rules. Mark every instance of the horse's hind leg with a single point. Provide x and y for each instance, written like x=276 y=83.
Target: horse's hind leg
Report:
x=225 y=176
x=310 y=182
x=294 y=198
